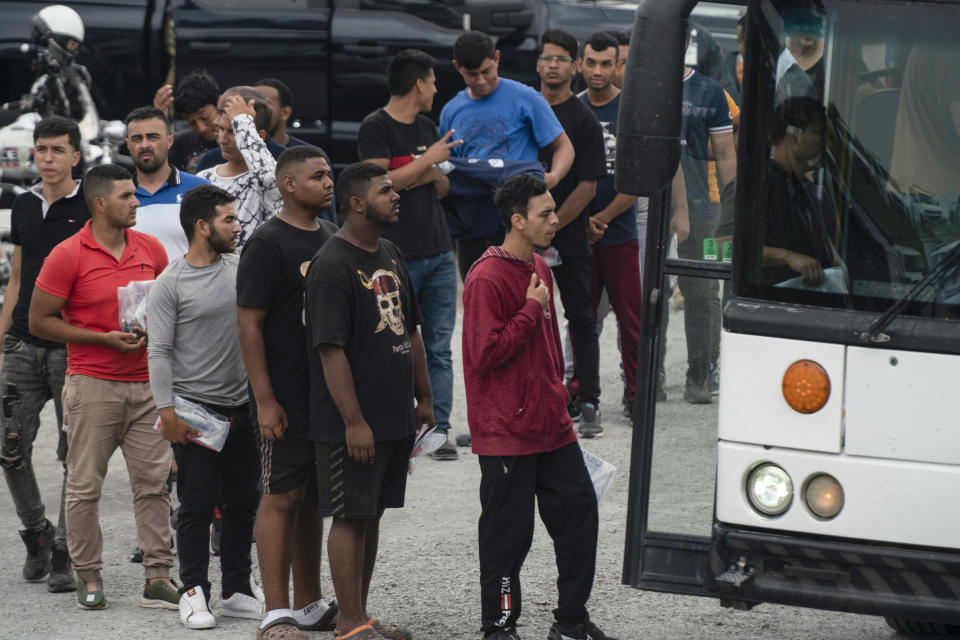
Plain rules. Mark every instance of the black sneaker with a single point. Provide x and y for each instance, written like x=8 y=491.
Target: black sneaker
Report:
x=590 y=424
x=574 y=409
x=587 y=631
x=445 y=452
x=61 y=572
x=501 y=634
x=136 y=555
x=39 y=547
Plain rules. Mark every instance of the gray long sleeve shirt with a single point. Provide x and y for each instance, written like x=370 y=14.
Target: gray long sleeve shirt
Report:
x=193 y=349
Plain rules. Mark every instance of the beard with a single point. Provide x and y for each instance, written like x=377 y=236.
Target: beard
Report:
x=221 y=244
x=150 y=163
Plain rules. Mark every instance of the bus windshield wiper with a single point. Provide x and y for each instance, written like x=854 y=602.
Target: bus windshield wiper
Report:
x=945 y=266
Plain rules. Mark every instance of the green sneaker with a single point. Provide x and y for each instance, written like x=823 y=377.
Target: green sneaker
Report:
x=91 y=599
x=160 y=595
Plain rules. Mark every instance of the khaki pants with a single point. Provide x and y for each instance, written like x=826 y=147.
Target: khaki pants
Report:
x=102 y=415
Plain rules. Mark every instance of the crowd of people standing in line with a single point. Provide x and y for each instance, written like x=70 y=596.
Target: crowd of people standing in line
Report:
x=345 y=299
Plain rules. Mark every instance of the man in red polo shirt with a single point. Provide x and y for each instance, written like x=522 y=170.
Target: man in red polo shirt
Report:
x=107 y=400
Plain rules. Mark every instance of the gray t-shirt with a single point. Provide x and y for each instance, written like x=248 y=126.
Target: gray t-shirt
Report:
x=194 y=349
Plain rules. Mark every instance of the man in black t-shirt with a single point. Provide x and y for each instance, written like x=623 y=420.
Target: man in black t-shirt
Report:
x=406 y=143
x=274 y=346
x=33 y=369
x=557 y=63
x=195 y=100
x=367 y=364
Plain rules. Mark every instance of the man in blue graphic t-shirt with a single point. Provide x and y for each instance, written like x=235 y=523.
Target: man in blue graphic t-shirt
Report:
x=499 y=118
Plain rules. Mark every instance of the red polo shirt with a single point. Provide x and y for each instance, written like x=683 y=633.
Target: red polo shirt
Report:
x=82 y=271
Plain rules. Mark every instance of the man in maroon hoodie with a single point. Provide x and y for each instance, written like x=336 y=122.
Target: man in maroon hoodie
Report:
x=522 y=433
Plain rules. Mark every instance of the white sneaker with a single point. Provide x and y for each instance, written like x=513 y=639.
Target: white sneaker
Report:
x=240 y=605
x=194 y=613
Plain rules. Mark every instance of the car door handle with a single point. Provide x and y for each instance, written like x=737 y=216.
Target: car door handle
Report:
x=210 y=47
x=365 y=49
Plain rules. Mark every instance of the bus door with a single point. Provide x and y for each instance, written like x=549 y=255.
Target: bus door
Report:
x=686 y=275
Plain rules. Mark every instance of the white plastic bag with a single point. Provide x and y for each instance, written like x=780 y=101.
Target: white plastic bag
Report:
x=213 y=427
x=601 y=472
x=132 y=302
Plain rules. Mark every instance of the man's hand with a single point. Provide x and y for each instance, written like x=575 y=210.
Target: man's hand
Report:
x=235 y=106
x=272 y=420
x=175 y=430
x=360 y=444
x=124 y=342
x=680 y=225
x=597 y=229
x=439 y=151
x=809 y=268
x=424 y=415
x=537 y=290
x=163 y=98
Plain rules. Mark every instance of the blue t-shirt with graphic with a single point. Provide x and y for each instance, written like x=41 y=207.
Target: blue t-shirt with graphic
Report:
x=512 y=123
x=705 y=112
x=623 y=228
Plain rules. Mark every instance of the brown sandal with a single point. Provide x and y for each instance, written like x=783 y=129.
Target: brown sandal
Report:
x=284 y=628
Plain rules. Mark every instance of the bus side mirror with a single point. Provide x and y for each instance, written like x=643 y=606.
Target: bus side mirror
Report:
x=648 y=125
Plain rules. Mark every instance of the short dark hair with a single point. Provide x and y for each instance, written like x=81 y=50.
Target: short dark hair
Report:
x=196 y=90
x=798 y=111
x=200 y=203
x=98 y=183
x=601 y=41
x=472 y=48
x=353 y=181
x=513 y=196
x=262 y=111
x=55 y=126
x=622 y=37
x=146 y=113
x=405 y=68
x=562 y=39
x=286 y=96
x=295 y=156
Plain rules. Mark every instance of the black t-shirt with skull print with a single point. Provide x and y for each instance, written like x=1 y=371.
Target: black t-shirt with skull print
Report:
x=363 y=302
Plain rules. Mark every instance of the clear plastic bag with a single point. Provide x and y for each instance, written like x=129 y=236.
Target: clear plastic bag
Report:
x=428 y=441
x=213 y=427
x=601 y=472
x=132 y=302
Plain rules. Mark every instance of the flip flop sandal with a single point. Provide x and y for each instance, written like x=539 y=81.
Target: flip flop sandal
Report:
x=363 y=632
x=389 y=631
x=284 y=628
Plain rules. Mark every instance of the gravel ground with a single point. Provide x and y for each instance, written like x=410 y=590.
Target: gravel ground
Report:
x=427 y=573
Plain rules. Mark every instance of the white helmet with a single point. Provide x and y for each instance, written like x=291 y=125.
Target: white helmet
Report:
x=59 y=27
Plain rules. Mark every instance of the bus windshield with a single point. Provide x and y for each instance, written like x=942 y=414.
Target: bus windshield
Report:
x=850 y=177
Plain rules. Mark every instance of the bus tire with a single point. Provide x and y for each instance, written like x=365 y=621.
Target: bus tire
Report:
x=919 y=627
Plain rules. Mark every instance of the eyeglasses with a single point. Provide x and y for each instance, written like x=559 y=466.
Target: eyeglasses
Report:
x=560 y=59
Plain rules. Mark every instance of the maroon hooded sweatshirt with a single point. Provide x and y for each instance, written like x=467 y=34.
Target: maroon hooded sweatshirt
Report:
x=512 y=360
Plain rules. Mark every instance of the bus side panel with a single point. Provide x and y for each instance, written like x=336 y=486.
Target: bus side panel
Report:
x=752 y=408
x=902 y=405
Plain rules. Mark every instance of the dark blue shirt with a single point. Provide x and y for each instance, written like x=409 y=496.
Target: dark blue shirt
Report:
x=705 y=112
x=623 y=228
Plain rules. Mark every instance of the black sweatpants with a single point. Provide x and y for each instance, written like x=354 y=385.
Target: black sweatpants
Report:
x=568 y=507
x=573 y=278
x=201 y=473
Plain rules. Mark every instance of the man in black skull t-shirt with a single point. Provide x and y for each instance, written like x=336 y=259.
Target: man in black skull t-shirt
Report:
x=367 y=364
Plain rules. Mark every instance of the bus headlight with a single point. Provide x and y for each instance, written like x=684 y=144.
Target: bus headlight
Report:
x=769 y=489
x=824 y=496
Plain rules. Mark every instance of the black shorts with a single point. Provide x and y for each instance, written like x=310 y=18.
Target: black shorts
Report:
x=349 y=490
x=287 y=464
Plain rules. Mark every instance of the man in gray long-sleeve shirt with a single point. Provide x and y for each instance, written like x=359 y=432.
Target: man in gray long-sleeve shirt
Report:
x=194 y=353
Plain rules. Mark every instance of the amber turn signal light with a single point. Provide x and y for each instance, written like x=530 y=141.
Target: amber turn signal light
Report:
x=806 y=386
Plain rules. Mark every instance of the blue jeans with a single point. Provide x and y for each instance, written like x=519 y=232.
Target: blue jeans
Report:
x=435 y=284
x=29 y=377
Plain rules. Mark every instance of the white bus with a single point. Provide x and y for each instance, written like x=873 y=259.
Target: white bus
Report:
x=833 y=448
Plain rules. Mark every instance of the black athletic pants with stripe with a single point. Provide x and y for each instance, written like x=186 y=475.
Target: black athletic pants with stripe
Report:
x=568 y=507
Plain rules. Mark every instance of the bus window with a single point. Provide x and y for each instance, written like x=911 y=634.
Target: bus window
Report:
x=854 y=190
